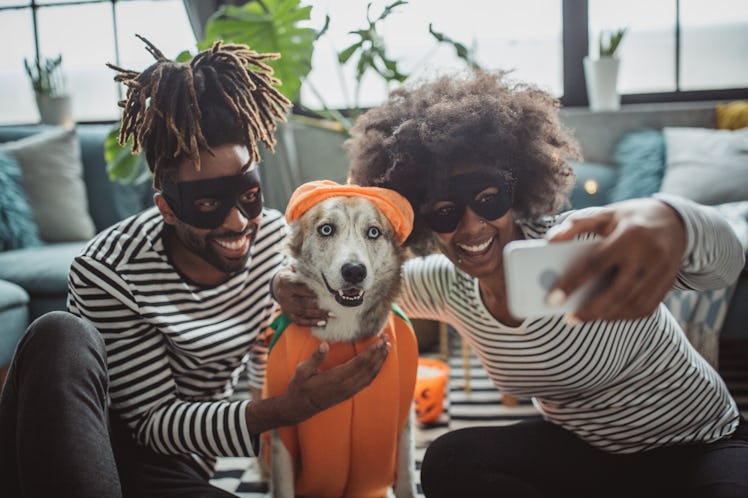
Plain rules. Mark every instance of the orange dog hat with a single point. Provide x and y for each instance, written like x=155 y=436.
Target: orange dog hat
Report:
x=394 y=206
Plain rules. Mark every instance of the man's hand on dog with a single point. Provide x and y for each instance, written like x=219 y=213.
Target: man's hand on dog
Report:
x=312 y=390
x=298 y=302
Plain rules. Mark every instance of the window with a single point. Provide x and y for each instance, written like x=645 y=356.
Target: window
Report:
x=503 y=34
x=674 y=50
x=87 y=34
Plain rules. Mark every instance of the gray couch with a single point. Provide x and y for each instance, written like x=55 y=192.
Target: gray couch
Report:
x=33 y=280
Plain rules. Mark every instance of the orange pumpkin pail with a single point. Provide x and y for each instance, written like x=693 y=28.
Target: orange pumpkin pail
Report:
x=431 y=389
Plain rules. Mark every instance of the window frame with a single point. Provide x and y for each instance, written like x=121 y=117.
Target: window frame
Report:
x=575 y=42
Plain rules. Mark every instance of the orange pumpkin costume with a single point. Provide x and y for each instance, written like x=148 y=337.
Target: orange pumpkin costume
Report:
x=349 y=449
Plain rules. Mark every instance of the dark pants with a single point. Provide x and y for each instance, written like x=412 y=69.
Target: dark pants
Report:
x=56 y=434
x=539 y=459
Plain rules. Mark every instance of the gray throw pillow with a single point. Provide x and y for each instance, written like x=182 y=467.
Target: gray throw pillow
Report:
x=52 y=177
x=708 y=166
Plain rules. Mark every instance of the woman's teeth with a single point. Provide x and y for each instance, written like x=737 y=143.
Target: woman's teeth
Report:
x=231 y=245
x=476 y=248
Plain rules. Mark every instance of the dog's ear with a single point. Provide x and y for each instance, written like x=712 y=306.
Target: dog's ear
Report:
x=295 y=239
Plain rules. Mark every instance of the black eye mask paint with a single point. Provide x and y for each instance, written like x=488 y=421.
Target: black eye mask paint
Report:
x=227 y=191
x=462 y=193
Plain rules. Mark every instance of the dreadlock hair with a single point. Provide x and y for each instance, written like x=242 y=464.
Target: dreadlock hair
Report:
x=224 y=95
x=413 y=141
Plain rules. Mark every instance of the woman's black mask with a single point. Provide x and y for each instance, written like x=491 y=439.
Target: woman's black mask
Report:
x=462 y=192
x=226 y=190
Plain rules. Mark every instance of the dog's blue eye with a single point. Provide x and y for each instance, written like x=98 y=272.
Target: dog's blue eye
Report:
x=326 y=230
x=373 y=233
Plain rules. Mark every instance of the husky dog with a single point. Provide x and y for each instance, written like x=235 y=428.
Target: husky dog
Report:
x=345 y=244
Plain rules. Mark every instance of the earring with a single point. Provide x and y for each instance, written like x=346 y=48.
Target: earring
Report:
x=482 y=221
x=459 y=261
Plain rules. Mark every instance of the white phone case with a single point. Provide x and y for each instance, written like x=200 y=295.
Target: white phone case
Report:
x=531 y=268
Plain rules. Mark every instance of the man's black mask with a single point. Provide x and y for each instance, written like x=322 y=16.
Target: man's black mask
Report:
x=462 y=192
x=227 y=191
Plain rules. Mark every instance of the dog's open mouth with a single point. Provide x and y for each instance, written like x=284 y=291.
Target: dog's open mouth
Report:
x=351 y=296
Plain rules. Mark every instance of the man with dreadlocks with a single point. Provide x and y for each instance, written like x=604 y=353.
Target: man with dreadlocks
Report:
x=127 y=395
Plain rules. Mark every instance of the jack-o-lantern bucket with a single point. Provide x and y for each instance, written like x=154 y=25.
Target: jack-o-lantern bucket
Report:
x=431 y=389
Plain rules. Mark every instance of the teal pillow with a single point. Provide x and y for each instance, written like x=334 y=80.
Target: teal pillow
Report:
x=17 y=226
x=640 y=157
x=593 y=184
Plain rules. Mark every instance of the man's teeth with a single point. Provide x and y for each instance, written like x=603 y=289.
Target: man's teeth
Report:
x=231 y=244
x=476 y=248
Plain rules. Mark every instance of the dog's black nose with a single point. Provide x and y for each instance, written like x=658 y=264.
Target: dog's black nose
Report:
x=353 y=272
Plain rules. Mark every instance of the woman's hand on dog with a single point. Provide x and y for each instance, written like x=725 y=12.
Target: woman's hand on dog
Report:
x=298 y=302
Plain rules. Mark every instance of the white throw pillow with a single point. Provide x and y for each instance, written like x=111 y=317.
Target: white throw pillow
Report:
x=52 y=177
x=709 y=166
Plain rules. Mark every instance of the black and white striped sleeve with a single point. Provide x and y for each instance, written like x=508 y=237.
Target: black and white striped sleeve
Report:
x=425 y=285
x=714 y=256
x=142 y=386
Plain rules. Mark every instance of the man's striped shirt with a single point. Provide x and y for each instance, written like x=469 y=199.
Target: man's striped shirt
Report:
x=175 y=348
x=622 y=386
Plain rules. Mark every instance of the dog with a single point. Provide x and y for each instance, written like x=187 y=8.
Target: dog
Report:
x=345 y=244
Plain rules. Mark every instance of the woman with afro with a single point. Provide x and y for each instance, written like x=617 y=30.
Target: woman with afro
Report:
x=628 y=406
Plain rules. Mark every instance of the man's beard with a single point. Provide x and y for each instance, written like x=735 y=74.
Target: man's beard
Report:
x=201 y=247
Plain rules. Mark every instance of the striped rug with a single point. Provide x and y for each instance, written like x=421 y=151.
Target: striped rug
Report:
x=472 y=401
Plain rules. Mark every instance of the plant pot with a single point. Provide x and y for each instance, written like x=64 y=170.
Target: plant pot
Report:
x=601 y=76
x=55 y=110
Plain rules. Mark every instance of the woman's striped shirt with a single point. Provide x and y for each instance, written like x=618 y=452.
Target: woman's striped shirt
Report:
x=622 y=386
x=175 y=348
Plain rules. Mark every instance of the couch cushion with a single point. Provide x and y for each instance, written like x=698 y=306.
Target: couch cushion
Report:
x=706 y=165
x=53 y=182
x=14 y=317
x=17 y=226
x=593 y=184
x=12 y=295
x=40 y=270
x=640 y=156
x=108 y=201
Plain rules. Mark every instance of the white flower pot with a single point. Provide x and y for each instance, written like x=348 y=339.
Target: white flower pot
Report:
x=55 y=110
x=601 y=76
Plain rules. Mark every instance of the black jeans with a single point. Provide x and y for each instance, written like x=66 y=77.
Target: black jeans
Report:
x=57 y=437
x=540 y=459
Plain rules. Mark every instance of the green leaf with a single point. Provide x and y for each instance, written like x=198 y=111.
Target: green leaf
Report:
x=269 y=26
x=122 y=165
x=461 y=50
x=184 y=56
x=346 y=54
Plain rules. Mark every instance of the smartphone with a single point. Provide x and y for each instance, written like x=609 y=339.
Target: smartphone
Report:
x=532 y=267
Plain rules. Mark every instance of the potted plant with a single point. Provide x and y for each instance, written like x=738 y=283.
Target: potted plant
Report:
x=601 y=73
x=48 y=80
